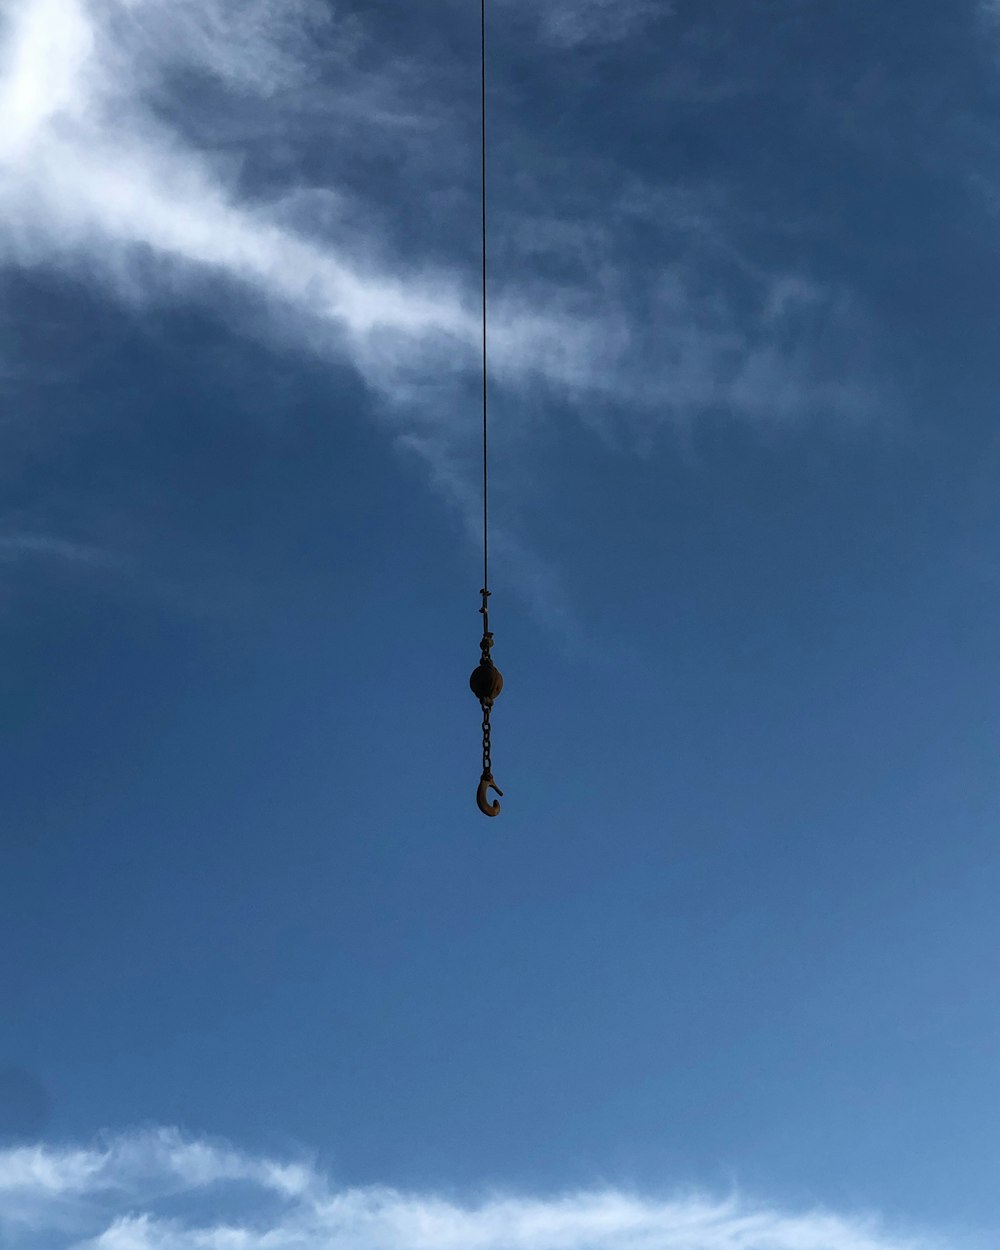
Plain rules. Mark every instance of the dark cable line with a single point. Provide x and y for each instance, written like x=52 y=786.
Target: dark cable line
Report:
x=486 y=518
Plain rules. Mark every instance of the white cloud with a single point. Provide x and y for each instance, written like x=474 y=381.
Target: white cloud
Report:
x=133 y=136
x=158 y=1190
x=93 y=180
x=100 y=174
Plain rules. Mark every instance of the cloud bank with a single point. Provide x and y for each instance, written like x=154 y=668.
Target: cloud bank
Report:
x=158 y=1190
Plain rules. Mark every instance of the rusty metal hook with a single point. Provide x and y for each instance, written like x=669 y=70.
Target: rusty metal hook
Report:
x=485 y=806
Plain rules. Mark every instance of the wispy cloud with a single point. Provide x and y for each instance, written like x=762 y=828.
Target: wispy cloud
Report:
x=101 y=170
x=158 y=151
x=18 y=546
x=572 y=23
x=94 y=179
x=158 y=1190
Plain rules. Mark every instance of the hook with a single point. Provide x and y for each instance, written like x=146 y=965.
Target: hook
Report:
x=485 y=806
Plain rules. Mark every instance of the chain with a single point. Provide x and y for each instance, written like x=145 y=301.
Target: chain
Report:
x=487 y=758
x=486 y=683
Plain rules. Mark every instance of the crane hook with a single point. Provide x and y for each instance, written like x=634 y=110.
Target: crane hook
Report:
x=485 y=806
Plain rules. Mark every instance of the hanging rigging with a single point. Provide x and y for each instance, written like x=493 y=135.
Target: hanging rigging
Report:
x=486 y=681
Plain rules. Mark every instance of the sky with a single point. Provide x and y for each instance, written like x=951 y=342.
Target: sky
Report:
x=724 y=974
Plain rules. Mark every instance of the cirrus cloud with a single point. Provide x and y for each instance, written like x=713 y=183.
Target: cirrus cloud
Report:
x=192 y=153
x=160 y=150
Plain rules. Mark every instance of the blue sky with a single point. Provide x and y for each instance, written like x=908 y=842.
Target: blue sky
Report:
x=724 y=974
